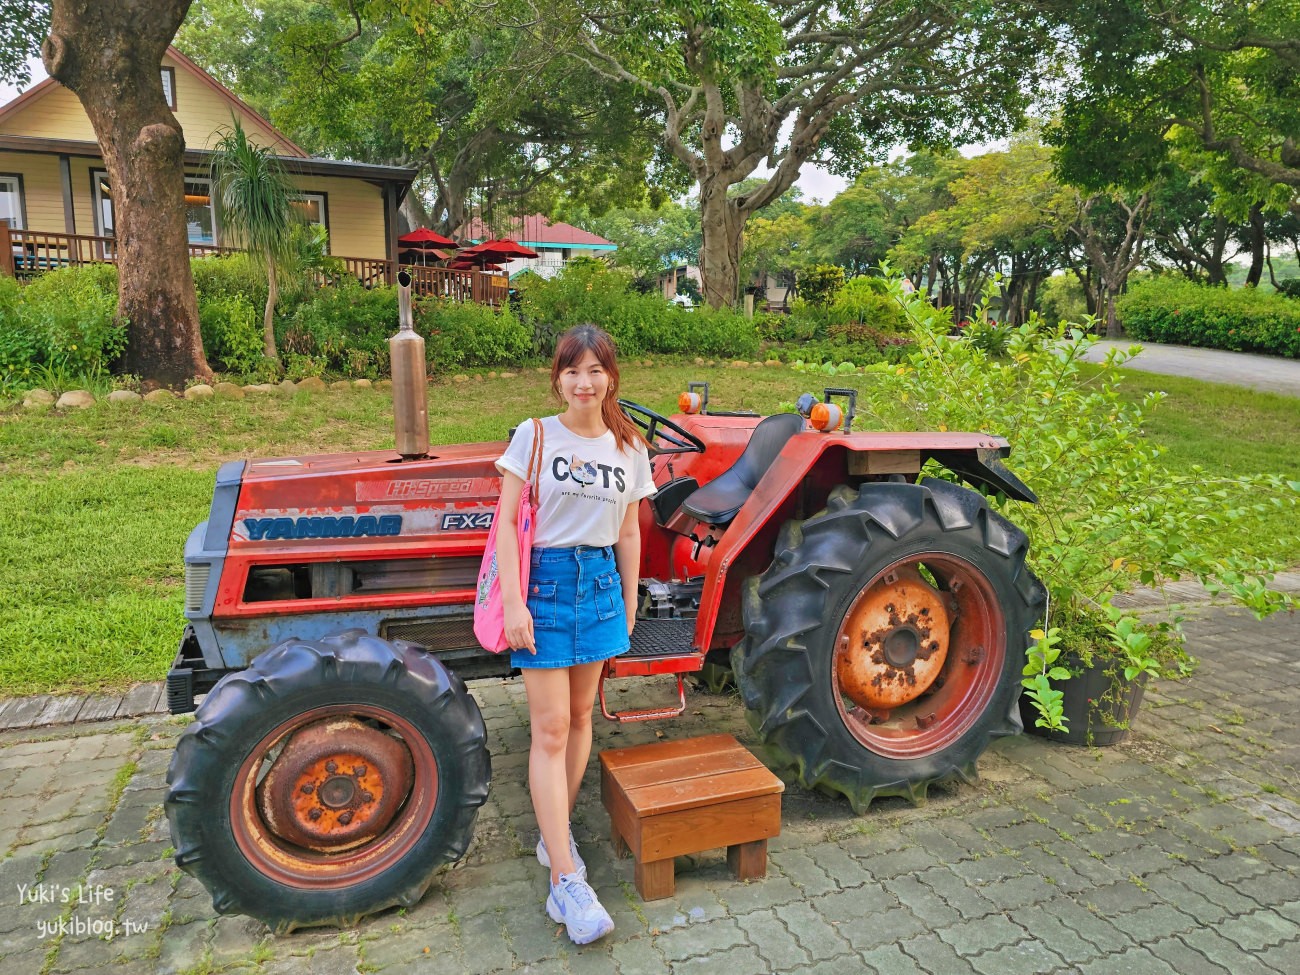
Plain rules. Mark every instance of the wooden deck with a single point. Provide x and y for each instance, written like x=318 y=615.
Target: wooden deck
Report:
x=27 y=253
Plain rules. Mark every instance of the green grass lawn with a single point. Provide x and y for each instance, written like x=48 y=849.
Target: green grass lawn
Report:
x=95 y=505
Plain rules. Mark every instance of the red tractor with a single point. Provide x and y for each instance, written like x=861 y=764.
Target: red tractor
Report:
x=875 y=621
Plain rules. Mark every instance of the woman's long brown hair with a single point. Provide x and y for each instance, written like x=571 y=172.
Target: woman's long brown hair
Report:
x=572 y=346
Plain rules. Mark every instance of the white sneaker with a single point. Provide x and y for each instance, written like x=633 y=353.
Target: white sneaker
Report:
x=573 y=903
x=544 y=858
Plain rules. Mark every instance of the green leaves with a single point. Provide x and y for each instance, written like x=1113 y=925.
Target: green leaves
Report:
x=1111 y=514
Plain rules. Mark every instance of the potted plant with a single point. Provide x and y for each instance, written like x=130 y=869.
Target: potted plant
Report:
x=1085 y=678
x=1111 y=514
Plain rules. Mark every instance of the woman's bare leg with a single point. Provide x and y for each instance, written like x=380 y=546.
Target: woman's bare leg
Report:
x=584 y=679
x=548 y=718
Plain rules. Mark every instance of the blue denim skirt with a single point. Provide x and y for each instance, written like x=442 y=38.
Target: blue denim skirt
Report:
x=575 y=596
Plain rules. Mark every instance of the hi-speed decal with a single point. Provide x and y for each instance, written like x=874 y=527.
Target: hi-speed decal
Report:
x=420 y=489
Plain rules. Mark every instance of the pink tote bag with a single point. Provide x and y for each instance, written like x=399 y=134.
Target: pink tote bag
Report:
x=489 y=608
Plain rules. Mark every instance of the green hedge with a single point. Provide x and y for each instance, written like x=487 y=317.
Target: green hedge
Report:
x=639 y=323
x=62 y=324
x=1168 y=309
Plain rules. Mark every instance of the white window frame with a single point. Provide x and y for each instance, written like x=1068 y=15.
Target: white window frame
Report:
x=101 y=227
x=15 y=181
x=216 y=228
x=169 y=87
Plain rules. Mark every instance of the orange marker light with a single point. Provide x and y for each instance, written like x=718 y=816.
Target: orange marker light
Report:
x=826 y=417
x=689 y=402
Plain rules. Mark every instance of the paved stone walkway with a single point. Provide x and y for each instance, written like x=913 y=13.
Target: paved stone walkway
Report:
x=1175 y=852
x=1269 y=373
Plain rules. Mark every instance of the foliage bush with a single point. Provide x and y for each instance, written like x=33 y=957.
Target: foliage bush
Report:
x=231 y=327
x=819 y=284
x=469 y=334
x=865 y=300
x=1169 y=309
x=61 y=325
x=337 y=320
x=639 y=323
x=228 y=275
x=1111 y=514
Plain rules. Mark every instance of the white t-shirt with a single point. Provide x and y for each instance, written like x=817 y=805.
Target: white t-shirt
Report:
x=585 y=485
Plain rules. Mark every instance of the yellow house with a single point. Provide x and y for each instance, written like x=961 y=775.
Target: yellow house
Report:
x=55 y=192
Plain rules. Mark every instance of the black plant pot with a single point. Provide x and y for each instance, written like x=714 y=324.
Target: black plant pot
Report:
x=1098 y=709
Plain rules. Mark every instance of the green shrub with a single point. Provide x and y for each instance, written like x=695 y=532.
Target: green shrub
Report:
x=1111 y=515
x=1169 y=309
x=228 y=275
x=20 y=345
x=232 y=331
x=1290 y=287
x=469 y=334
x=588 y=291
x=335 y=321
x=866 y=301
x=818 y=284
x=72 y=313
x=704 y=331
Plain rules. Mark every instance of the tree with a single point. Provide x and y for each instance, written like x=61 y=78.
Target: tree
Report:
x=650 y=239
x=110 y=56
x=254 y=205
x=23 y=23
x=1184 y=230
x=1111 y=230
x=482 y=103
x=1161 y=76
x=852 y=230
x=1000 y=213
x=741 y=81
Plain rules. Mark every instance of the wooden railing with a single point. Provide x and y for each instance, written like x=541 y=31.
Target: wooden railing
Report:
x=26 y=253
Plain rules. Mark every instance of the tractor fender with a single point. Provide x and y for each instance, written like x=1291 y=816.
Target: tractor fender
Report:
x=808 y=467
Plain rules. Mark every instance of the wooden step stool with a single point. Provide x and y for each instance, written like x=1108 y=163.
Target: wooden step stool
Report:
x=672 y=798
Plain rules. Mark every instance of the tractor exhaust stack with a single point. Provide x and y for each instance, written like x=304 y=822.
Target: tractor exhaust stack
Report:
x=410 y=383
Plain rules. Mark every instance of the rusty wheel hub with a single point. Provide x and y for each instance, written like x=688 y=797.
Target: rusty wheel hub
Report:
x=335 y=785
x=893 y=643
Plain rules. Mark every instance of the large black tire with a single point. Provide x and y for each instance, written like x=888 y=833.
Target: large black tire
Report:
x=375 y=691
x=935 y=543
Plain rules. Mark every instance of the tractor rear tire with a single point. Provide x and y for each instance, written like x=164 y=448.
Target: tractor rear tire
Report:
x=328 y=781
x=826 y=640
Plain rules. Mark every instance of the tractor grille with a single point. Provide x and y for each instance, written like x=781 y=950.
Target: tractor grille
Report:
x=196 y=584
x=436 y=633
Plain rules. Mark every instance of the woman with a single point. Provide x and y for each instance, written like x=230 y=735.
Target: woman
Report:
x=581 y=600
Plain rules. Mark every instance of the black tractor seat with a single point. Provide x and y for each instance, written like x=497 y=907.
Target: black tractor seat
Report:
x=718 y=501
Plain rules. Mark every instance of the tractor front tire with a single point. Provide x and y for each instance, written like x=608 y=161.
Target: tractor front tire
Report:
x=885 y=644
x=327 y=781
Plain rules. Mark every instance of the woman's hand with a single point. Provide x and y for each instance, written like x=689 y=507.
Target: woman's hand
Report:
x=631 y=621
x=519 y=628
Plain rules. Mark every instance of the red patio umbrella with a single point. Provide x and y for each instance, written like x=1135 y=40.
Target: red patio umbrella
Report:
x=426 y=237
x=462 y=264
x=499 y=250
x=424 y=241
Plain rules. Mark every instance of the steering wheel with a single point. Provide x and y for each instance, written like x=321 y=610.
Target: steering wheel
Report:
x=679 y=440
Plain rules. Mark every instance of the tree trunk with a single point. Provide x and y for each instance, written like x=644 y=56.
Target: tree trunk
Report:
x=723 y=226
x=110 y=56
x=1113 y=328
x=412 y=213
x=1256 y=271
x=268 y=316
